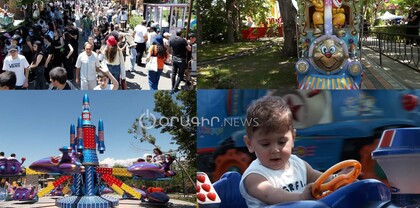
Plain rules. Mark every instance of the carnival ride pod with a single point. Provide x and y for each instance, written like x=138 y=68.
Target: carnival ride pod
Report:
x=10 y=167
x=45 y=165
x=146 y=170
x=398 y=154
x=25 y=194
x=66 y=164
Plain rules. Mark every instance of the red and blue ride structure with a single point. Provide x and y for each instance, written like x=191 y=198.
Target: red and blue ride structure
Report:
x=79 y=163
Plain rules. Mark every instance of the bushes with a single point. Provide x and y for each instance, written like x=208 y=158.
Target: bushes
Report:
x=135 y=20
x=393 y=29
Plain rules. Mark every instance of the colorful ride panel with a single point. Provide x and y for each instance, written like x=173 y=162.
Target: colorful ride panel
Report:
x=328 y=45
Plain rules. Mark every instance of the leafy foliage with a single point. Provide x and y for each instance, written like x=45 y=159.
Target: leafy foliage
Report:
x=257 y=9
x=213 y=19
x=214 y=13
x=182 y=107
x=134 y=20
x=380 y=7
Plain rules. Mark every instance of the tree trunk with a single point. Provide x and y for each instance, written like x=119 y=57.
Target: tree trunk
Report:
x=199 y=26
x=230 y=29
x=288 y=14
x=239 y=25
x=236 y=20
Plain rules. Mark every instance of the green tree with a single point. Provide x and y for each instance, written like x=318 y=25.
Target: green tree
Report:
x=181 y=110
x=221 y=21
x=372 y=9
x=211 y=21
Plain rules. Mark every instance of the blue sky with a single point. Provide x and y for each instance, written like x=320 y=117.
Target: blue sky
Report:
x=35 y=124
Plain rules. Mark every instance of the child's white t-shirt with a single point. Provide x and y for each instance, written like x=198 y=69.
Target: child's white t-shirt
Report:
x=108 y=87
x=292 y=179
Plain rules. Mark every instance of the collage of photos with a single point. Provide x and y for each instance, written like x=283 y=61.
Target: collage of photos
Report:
x=214 y=103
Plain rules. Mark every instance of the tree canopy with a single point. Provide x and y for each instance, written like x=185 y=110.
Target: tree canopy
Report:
x=222 y=19
x=182 y=107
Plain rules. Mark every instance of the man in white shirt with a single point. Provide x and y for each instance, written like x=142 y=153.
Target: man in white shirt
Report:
x=123 y=19
x=140 y=37
x=87 y=65
x=18 y=64
x=109 y=14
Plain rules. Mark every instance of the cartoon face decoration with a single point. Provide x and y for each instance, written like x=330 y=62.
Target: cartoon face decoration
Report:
x=329 y=55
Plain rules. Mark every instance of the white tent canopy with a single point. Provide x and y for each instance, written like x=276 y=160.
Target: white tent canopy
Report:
x=389 y=16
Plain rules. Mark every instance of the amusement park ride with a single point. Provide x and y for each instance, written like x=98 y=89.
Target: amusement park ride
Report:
x=332 y=126
x=328 y=44
x=398 y=152
x=79 y=166
x=10 y=167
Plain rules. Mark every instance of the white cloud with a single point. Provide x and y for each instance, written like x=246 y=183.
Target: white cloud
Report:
x=110 y=162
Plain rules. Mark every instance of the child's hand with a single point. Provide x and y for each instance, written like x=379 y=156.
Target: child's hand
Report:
x=345 y=170
x=307 y=193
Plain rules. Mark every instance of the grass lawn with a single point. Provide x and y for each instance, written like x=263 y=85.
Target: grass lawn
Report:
x=266 y=69
x=211 y=51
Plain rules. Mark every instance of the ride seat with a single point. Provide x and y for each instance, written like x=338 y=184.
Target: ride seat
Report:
x=364 y=193
x=227 y=187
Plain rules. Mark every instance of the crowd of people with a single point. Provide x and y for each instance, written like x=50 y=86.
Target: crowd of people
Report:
x=46 y=55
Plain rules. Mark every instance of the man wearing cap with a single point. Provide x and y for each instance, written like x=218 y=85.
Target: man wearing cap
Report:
x=140 y=37
x=87 y=65
x=179 y=55
x=18 y=64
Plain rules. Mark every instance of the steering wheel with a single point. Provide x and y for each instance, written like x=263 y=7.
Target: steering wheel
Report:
x=320 y=190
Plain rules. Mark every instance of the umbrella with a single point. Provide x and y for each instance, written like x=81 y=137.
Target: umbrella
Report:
x=389 y=16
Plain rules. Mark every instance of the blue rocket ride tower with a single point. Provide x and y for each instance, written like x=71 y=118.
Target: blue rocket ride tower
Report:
x=86 y=185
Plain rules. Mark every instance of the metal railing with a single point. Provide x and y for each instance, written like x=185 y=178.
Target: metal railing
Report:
x=402 y=48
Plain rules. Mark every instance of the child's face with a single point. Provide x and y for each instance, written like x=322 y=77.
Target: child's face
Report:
x=272 y=149
x=103 y=82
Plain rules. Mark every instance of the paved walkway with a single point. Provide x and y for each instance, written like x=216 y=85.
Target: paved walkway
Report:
x=391 y=75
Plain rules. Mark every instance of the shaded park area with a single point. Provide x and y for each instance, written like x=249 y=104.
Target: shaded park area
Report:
x=246 y=64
